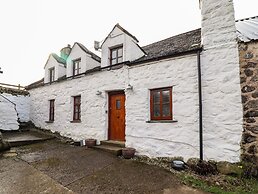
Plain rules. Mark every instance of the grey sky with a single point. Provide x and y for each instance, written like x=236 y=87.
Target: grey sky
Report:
x=32 y=29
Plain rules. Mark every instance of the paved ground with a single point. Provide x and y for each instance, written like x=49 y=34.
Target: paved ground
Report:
x=54 y=167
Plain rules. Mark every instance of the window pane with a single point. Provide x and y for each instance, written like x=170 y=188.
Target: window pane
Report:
x=78 y=100
x=118 y=104
x=165 y=110
x=120 y=60
x=165 y=97
x=120 y=52
x=113 y=62
x=156 y=97
x=113 y=54
x=156 y=110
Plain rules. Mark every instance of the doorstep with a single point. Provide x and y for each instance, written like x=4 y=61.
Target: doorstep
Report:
x=113 y=147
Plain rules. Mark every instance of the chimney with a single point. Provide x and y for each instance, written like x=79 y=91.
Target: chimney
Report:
x=222 y=107
x=64 y=52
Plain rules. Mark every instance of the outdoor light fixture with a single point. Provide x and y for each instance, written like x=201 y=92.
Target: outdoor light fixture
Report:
x=129 y=87
x=98 y=93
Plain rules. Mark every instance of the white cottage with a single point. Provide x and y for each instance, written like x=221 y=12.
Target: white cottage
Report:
x=177 y=97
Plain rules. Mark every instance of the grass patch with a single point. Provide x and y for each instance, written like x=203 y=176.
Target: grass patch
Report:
x=220 y=184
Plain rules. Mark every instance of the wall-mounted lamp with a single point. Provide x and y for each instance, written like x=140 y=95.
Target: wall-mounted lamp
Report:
x=129 y=87
x=98 y=93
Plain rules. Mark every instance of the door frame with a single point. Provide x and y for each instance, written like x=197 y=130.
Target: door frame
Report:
x=109 y=119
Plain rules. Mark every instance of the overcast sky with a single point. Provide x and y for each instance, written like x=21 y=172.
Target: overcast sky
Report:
x=32 y=29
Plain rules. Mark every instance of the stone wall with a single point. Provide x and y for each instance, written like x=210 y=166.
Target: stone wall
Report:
x=14 y=107
x=249 y=85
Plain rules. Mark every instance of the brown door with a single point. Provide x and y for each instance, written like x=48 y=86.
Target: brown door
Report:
x=116 y=116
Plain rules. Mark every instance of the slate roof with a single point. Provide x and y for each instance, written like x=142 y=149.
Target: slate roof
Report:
x=247 y=29
x=93 y=55
x=186 y=42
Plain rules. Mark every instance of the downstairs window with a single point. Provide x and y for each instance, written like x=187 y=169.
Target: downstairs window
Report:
x=161 y=104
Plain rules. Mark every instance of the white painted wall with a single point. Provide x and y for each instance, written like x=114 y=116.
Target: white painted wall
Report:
x=87 y=62
x=76 y=53
x=222 y=109
x=117 y=37
x=10 y=112
x=164 y=139
x=93 y=109
x=60 y=70
x=152 y=139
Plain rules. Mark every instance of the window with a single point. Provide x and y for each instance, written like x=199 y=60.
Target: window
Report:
x=116 y=55
x=51 y=74
x=77 y=108
x=76 y=66
x=161 y=104
x=51 y=110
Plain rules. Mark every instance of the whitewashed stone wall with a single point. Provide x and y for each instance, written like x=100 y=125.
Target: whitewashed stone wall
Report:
x=222 y=109
x=93 y=109
x=152 y=139
x=16 y=107
x=164 y=139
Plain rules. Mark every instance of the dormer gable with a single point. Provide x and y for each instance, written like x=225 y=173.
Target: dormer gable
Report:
x=80 y=60
x=120 y=46
x=55 y=68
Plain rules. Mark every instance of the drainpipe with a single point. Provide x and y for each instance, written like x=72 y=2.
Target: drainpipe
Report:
x=200 y=104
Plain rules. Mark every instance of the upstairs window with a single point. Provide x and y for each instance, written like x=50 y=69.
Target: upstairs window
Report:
x=161 y=104
x=76 y=108
x=51 y=74
x=51 y=110
x=76 y=67
x=116 y=55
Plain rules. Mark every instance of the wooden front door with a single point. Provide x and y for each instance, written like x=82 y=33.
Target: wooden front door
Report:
x=116 y=116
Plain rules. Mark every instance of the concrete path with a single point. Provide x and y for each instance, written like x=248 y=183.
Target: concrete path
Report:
x=53 y=167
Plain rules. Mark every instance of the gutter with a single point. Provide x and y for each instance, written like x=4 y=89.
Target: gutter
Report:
x=200 y=104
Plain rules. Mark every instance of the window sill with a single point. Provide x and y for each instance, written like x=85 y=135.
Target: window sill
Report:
x=49 y=121
x=162 y=121
x=75 y=121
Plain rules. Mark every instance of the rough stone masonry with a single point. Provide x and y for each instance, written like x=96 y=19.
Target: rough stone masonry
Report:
x=249 y=85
